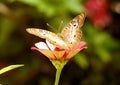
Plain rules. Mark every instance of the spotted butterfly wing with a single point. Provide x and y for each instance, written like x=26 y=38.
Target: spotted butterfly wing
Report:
x=50 y=36
x=71 y=33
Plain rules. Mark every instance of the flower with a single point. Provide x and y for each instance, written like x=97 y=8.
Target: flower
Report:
x=55 y=53
x=98 y=12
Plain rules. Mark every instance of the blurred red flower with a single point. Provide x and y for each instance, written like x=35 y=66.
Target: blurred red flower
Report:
x=98 y=12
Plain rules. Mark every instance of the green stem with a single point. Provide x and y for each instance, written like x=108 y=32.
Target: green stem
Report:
x=59 y=66
x=58 y=73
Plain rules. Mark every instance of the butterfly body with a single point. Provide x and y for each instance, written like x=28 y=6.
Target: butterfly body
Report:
x=67 y=38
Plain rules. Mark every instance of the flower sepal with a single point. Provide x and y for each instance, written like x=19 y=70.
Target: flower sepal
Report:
x=59 y=64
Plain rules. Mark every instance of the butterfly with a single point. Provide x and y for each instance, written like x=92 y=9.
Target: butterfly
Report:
x=67 y=38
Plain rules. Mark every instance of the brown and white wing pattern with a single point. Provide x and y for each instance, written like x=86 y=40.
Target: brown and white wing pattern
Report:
x=50 y=36
x=71 y=33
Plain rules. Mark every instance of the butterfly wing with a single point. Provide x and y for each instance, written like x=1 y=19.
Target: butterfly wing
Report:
x=50 y=36
x=71 y=33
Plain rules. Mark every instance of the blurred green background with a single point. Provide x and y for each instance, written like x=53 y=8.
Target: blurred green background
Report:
x=97 y=65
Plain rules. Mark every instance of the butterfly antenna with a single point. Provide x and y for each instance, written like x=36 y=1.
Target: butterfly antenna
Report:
x=50 y=26
x=61 y=23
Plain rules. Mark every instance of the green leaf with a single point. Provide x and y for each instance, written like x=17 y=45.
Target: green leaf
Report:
x=10 y=68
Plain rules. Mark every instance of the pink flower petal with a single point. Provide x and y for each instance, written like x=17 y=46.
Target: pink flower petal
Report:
x=75 y=50
x=79 y=46
x=46 y=52
x=71 y=54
